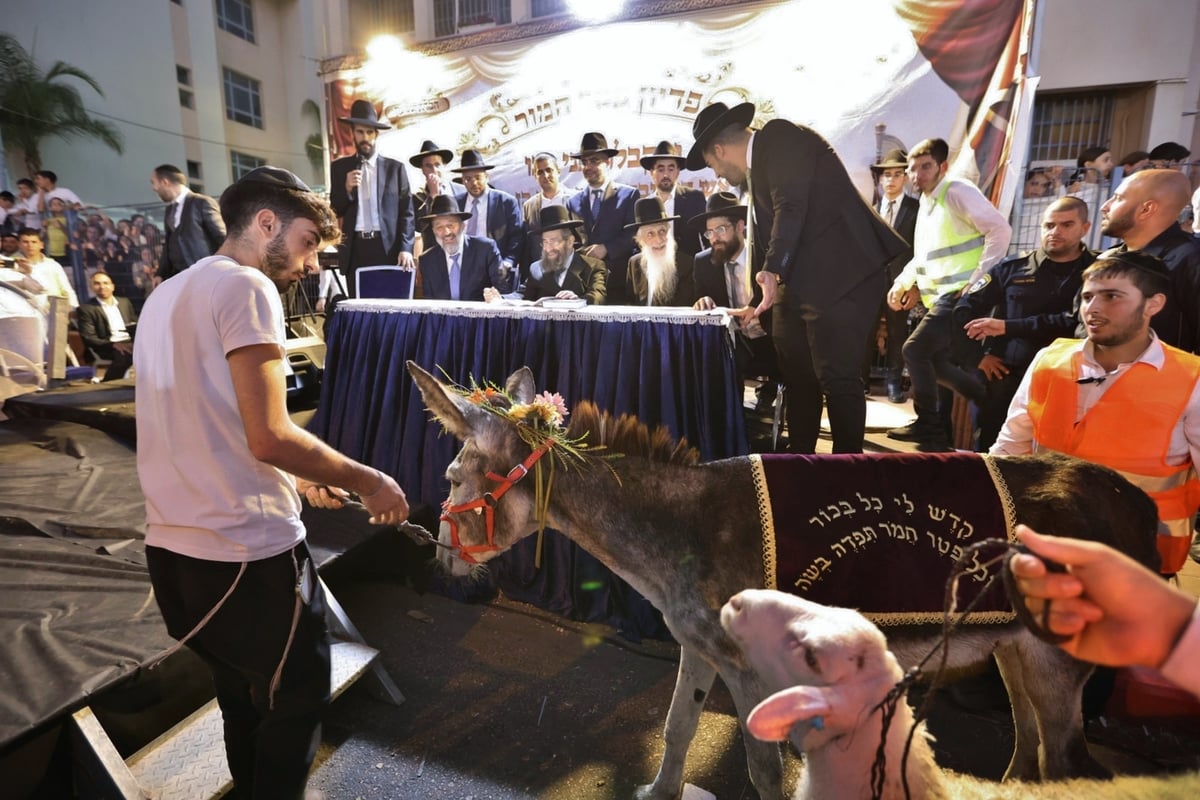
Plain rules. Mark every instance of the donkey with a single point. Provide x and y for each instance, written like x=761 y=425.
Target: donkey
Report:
x=685 y=535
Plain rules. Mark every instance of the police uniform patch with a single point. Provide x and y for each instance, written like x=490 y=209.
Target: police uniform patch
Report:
x=980 y=284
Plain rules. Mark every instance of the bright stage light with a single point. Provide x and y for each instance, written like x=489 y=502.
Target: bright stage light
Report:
x=595 y=10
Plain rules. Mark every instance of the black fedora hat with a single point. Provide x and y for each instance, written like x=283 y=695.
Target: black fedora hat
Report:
x=428 y=148
x=445 y=206
x=552 y=218
x=892 y=159
x=664 y=150
x=649 y=211
x=711 y=120
x=594 y=143
x=362 y=112
x=720 y=204
x=471 y=160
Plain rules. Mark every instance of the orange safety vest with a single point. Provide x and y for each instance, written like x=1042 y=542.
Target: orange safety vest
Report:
x=1128 y=430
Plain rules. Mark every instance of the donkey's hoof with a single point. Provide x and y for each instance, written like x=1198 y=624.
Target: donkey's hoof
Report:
x=651 y=792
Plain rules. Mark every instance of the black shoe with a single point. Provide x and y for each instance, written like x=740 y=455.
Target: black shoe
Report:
x=895 y=391
x=922 y=432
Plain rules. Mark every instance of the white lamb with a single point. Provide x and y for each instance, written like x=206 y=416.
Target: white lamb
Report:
x=829 y=669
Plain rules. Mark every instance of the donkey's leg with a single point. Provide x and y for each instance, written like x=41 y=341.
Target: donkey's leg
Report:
x=763 y=759
x=1024 y=763
x=691 y=690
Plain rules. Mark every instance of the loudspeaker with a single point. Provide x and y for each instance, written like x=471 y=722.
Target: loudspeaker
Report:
x=306 y=357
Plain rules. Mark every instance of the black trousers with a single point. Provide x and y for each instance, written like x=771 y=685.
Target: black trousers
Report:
x=363 y=253
x=270 y=741
x=820 y=354
x=119 y=362
x=939 y=352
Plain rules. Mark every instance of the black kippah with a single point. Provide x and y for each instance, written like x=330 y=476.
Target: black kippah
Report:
x=1135 y=259
x=275 y=176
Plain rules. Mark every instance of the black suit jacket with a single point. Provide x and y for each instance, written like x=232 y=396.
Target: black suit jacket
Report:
x=608 y=229
x=199 y=233
x=811 y=225
x=688 y=203
x=504 y=226
x=480 y=266
x=906 y=225
x=93 y=322
x=531 y=212
x=586 y=277
x=392 y=200
x=638 y=289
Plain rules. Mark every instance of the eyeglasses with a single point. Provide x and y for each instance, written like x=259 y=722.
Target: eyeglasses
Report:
x=720 y=230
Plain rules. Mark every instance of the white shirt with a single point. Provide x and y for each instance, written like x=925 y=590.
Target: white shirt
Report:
x=883 y=209
x=752 y=329
x=207 y=496
x=368 y=207
x=32 y=218
x=50 y=274
x=1016 y=436
x=176 y=205
x=970 y=212
x=116 y=323
x=64 y=194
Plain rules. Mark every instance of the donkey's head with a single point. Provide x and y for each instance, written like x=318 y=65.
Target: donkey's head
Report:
x=491 y=502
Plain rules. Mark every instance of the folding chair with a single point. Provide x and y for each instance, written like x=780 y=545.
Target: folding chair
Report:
x=393 y=283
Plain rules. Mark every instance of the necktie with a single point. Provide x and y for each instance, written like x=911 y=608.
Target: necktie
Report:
x=890 y=211
x=737 y=296
x=366 y=199
x=455 y=276
x=595 y=204
x=750 y=226
x=474 y=231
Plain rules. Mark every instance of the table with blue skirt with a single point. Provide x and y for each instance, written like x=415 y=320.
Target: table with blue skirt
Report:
x=669 y=366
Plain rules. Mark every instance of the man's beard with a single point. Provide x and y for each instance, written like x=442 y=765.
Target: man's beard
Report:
x=365 y=149
x=454 y=247
x=275 y=262
x=1116 y=227
x=723 y=252
x=553 y=264
x=661 y=277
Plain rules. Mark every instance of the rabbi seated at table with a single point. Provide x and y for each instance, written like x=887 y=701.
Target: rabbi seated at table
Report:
x=562 y=273
x=461 y=267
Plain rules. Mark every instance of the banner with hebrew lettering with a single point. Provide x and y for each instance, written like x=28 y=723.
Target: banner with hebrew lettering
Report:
x=882 y=534
x=868 y=76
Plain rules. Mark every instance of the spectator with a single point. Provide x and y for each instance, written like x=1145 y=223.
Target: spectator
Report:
x=462 y=266
x=494 y=214
x=561 y=272
x=659 y=275
x=26 y=209
x=546 y=169
x=1090 y=183
x=8 y=202
x=1132 y=162
x=1023 y=304
x=8 y=245
x=432 y=161
x=106 y=326
x=46 y=271
x=58 y=230
x=606 y=208
x=192 y=221
x=899 y=211
x=48 y=189
x=960 y=235
x=1169 y=155
x=664 y=166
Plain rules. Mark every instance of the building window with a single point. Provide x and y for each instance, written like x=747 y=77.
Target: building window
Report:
x=451 y=15
x=547 y=8
x=243 y=100
x=183 y=75
x=242 y=163
x=1064 y=125
x=234 y=17
x=194 y=171
x=186 y=99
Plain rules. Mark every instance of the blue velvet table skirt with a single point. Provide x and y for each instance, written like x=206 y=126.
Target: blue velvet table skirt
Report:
x=668 y=366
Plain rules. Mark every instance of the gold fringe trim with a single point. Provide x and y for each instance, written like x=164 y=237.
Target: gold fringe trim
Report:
x=1006 y=501
x=763 y=494
x=937 y=618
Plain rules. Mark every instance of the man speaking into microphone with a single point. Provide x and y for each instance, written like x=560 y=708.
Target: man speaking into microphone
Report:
x=371 y=196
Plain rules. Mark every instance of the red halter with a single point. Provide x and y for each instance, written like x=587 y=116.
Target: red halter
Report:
x=486 y=505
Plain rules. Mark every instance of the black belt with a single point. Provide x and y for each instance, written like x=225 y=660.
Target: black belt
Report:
x=366 y=234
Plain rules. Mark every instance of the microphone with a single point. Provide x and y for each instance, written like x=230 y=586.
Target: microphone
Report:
x=354 y=193
x=1097 y=380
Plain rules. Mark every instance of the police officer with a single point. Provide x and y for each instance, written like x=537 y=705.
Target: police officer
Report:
x=1023 y=304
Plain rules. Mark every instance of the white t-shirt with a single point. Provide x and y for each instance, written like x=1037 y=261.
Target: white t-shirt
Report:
x=50 y=274
x=207 y=496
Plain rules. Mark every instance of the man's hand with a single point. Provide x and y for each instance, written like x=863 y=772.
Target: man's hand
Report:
x=993 y=367
x=566 y=294
x=596 y=251
x=387 y=504
x=984 y=327
x=903 y=299
x=406 y=261
x=491 y=295
x=704 y=304
x=319 y=495
x=353 y=178
x=433 y=186
x=770 y=285
x=123 y=347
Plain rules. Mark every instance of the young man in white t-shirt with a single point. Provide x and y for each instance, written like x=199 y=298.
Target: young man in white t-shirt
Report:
x=217 y=453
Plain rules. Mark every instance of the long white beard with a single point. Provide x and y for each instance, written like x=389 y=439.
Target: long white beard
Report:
x=661 y=277
x=455 y=247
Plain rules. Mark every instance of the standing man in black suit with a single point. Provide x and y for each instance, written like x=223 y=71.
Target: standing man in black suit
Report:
x=461 y=267
x=193 y=222
x=607 y=211
x=370 y=194
x=823 y=250
x=899 y=210
x=723 y=280
x=494 y=214
x=106 y=326
x=664 y=165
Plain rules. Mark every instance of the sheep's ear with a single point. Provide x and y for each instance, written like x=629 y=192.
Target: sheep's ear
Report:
x=773 y=718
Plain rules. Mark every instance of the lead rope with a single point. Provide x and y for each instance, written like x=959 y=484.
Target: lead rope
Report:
x=278 y=676
x=895 y=696
x=175 y=648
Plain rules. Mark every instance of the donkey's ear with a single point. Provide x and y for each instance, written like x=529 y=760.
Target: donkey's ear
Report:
x=520 y=385
x=453 y=410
